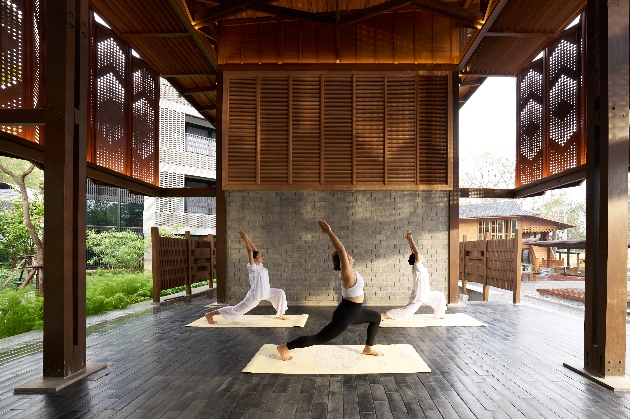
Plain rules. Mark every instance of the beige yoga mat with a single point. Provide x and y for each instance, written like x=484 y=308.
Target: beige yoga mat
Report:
x=338 y=359
x=249 y=320
x=427 y=320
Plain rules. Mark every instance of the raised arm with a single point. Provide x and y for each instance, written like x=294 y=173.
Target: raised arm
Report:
x=250 y=246
x=412 y=245
x=348 y=279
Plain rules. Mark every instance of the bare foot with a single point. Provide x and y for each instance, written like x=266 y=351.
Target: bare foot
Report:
x=384 y=316
x=369 y=350
x=284 y=352
x=209 y=316
x=282 y=317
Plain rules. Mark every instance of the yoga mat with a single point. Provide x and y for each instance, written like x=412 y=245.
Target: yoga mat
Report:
x=338 y=359
x=427 y=320
x=249 y=320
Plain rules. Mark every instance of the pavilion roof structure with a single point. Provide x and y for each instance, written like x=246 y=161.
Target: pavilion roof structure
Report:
x=180 y=38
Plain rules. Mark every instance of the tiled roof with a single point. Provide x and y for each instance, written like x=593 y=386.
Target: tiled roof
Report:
x=507 y=208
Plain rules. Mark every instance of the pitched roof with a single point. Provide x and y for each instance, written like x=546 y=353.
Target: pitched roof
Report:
x=507 y=208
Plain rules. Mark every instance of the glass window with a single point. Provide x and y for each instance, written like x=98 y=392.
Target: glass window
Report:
x=500 y=229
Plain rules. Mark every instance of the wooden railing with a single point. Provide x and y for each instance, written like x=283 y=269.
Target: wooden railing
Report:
x=494 y=263
x=181 y=262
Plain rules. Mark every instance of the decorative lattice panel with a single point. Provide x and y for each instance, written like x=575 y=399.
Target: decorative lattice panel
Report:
x=337 y=129
x=551 y=136
x=565 y=141
x=529 y=159
x=173 y=262
x=305 y=116
x=170 y=180
x=346 y=130
x=401 y=130
x=369 y=117
x=21 y=66
x=144 y=121
x=274 y=129
x=201 y=260
x=241 y=130
x=433 y=142
x=172 y=126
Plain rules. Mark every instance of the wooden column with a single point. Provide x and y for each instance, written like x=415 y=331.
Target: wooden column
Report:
x=64 y=186
x=221 y=221
x=453 y=211
x=606 y=187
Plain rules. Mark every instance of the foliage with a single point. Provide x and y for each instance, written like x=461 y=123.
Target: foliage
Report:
x=20 y=311
x=33 y=181
x=487 y=170
x=110 y=291
x=15 y=239
x=175 y=290
x=558 y=205
x=116 y=249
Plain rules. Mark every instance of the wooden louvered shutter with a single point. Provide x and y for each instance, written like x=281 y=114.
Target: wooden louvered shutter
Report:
x=274 y=128
x=369 y=117
x=338 y=129
x=242 y=130
x=433 y=130
x=305 y=116
x=401 y=129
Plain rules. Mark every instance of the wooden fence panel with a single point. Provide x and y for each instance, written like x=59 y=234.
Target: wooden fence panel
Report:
x=494 y=263
x=181 y=262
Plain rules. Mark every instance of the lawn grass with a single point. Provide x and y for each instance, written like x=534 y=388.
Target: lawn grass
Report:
x=22 y=310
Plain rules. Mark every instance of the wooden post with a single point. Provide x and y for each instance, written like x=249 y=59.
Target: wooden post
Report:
x=518 y=248
x=212 y=268
x=155 y=263
x=189 y=262
x=606 y=187
x=221 y=220
x=465 y=264
x=453 y=230
x=486 y=287
x=66 y=75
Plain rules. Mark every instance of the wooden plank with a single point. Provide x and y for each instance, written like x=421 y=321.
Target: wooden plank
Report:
x=466 y=17
x=22 y=117
x=369 y=12
x=18 y=147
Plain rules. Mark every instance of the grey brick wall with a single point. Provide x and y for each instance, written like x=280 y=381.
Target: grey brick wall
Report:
x=370 y=224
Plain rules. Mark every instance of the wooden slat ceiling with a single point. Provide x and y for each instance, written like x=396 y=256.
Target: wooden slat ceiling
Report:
x=180 y=39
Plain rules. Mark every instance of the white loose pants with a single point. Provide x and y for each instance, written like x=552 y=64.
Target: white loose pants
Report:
x=436 y=300
x=276 y=297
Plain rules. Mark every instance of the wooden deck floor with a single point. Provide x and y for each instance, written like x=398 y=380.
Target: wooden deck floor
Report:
x=158 y=368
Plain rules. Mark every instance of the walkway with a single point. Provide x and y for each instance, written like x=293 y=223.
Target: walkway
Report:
x=158 y=368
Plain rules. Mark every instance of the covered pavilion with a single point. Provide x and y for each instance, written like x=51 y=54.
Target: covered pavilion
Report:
x=344 y=110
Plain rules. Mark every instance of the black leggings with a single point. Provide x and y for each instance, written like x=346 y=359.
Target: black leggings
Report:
x=346 y=314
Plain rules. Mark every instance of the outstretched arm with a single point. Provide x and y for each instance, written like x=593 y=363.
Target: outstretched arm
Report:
x=249 y=245
x=347 y=275
x=412 y=245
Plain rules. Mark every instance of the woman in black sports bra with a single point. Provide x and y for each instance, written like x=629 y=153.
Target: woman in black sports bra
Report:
x=349 y=311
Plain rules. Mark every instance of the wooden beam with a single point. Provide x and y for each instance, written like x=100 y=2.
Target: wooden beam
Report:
x=20 y=148
x=472 y=46
x=521 y=34
x=368 y=12
x=288 y=12
x=486 y=193
x=477 y=82
x=157 y=35
x=182 y=13
x=556 y=181
x=225 y=10
x=467 y=17
x=207 y=108
x=188 y=192
x=119 y=180
x=174 y=76
x=211 y=31
x=202 y=89
x=22 y=117
x=441 y=68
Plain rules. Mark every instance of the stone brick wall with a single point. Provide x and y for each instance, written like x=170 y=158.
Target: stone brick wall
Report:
x=370 y=224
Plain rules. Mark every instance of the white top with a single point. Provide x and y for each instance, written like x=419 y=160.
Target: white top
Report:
x=420 y=292
x=259 y=282
x=355 y=290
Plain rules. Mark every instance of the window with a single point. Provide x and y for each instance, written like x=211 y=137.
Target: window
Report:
x=498 y=229
x=200 y=205
x=200 y=139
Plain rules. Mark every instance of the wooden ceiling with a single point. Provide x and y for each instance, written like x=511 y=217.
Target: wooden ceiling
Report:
x=180 y=38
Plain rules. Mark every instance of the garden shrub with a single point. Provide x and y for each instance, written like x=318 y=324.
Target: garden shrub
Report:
x=20 y=311
x=116 y=249
x=107 y=291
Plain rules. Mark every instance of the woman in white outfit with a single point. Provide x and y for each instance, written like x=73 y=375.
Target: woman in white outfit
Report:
x=260 y=289
x=421 y=293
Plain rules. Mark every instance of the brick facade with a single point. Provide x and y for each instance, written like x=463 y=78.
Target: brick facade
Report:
x=370 y=224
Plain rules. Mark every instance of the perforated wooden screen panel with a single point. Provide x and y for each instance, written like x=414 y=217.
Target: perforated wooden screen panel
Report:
x=336 y=131
x=565 y=143
x=551 y=136
x=21 y=66
x=529 y=157
x=125 y=95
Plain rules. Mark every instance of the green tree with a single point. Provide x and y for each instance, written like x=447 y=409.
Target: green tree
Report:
x=558 y=205
x=116 y=249
x=15 y=238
